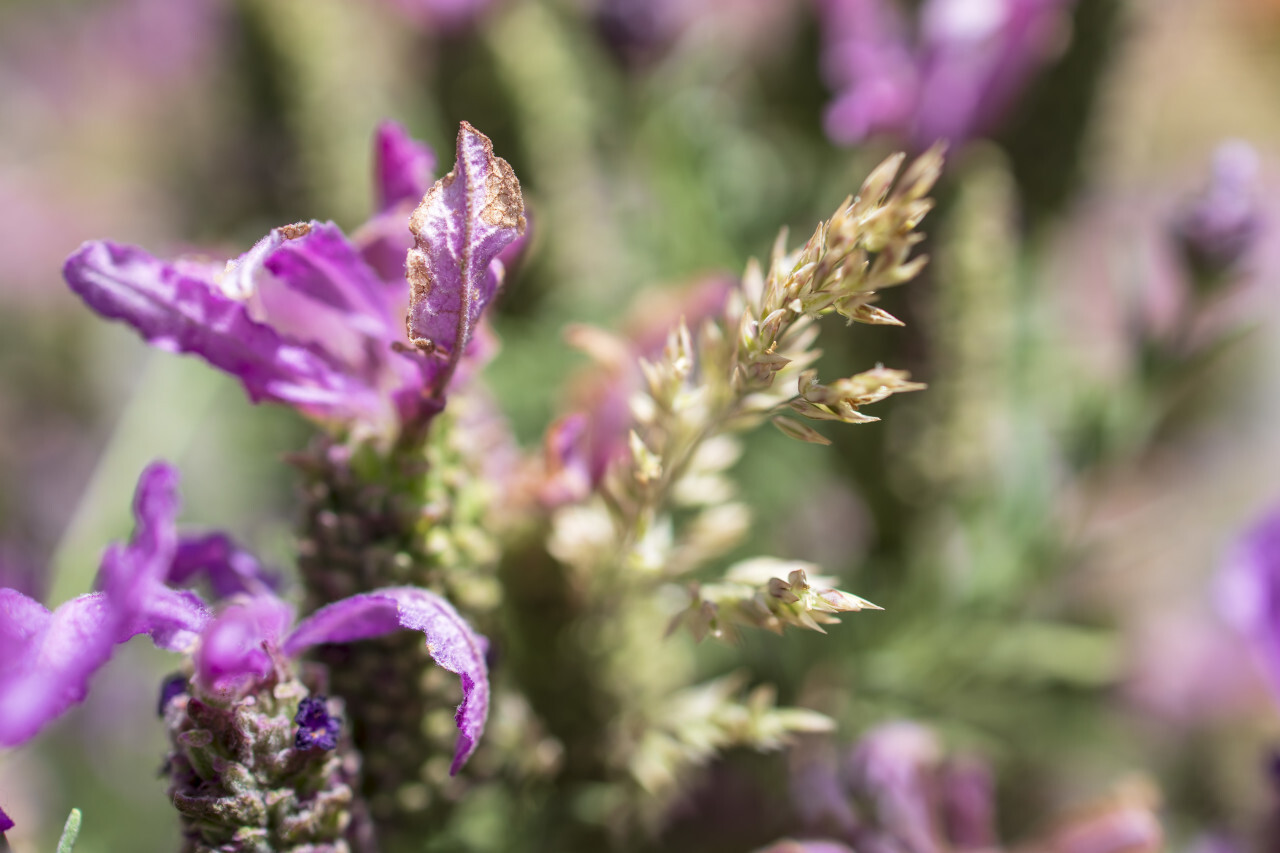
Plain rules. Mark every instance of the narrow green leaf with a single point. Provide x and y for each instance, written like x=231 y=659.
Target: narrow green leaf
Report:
x=70 y=832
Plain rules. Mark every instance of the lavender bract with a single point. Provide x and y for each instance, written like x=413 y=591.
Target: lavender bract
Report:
x=48 y=658
x=311 y=318
x=462 y=225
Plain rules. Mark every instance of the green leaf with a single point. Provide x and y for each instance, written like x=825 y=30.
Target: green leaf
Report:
x=70 y=832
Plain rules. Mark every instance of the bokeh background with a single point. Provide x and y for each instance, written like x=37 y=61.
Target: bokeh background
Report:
x=1045 y=526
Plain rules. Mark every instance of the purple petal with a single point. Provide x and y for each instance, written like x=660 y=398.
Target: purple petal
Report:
x=450 y=640
x=893 y=765
x=134 y=575
x=1248 y=592
x=402 y=166
x=324 y=266
x=466 y=219
x=174 y=310
x=229 y=568
x=6 y=823
x=383 y=242
x=235 y=648
x=47 y=659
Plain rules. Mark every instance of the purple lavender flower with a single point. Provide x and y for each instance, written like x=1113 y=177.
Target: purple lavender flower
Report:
x=1248 y=591
x=1216 y=232
x=47 y=659
x=967 y=64
x=912 y=799
x=306 y=318
x=250 y=637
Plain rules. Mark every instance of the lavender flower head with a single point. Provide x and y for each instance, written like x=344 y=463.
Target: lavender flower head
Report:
x=313 y=319
x=955 y=79
x=47 y=659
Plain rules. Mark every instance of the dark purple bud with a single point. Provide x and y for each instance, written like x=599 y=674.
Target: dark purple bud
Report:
x=173 y=687
x=317 y=728
x=1217 y=230
x=637 y=32
x=5 y=823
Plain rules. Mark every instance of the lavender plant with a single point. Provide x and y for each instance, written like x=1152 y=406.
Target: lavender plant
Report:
x=261 y=757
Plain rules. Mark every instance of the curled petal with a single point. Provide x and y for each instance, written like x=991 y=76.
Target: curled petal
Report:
x=229 y=568
x=175 y=310
x=402 y=166
x=133 y=575
x=450 y=640
x=463 y=223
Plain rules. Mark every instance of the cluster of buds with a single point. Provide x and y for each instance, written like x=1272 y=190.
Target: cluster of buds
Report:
x=732 y=373
x=769 y=594
x=840 y=400
x=700 y=722
x=864 y=248
x=270 y=770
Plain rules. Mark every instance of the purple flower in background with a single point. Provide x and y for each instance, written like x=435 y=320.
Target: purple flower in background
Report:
x=898 y=793
x=1216 y=231
x=47 y=659
x=1248 y=592
x=955 y=79
x=579 y=447
x=6 y=823
x=313 y=319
